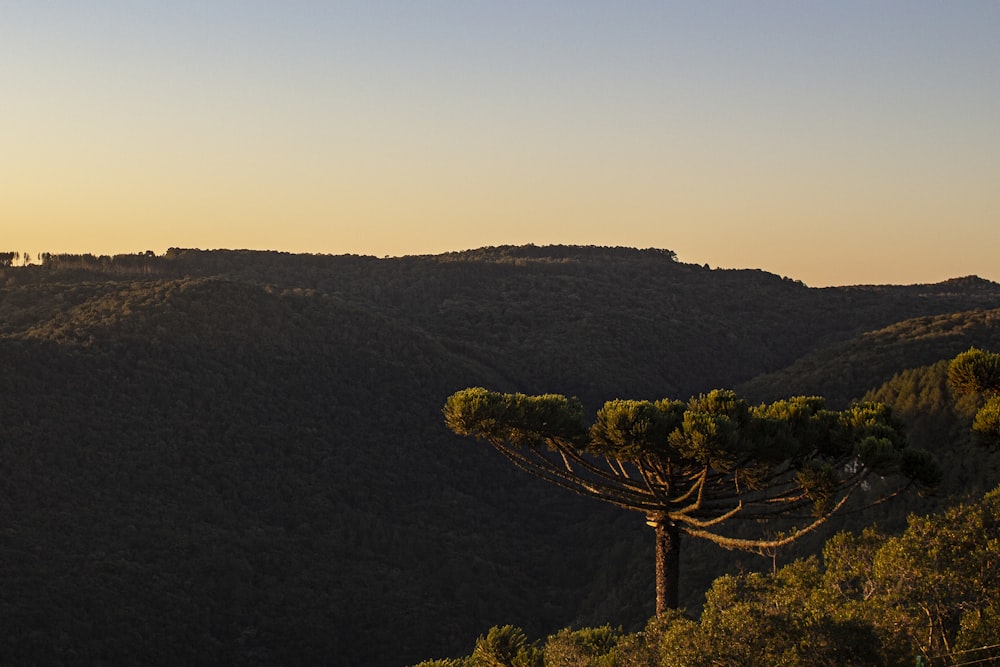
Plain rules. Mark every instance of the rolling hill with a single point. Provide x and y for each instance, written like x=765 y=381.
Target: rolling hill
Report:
x=238 y=457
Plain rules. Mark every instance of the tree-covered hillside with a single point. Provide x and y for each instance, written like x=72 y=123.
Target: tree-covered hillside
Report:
x=844 y=371
x=577 y=316
x=239 y=457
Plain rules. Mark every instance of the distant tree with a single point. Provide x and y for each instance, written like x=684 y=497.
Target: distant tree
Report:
x=695 y=468
x=978 y=372
x=8 y=258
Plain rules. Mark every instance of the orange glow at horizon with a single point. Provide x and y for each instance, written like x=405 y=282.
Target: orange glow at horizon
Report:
x=870 y=156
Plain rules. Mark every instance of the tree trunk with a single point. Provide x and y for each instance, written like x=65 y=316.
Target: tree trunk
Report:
x=668 y=552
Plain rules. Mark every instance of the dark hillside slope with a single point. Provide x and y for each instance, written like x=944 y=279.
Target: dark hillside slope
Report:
x=846 y=370
x=206 y=472
x=603 y=322
x=238 y=457
x=596 y=322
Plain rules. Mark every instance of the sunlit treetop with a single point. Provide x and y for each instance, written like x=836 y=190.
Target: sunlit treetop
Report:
x=701 y=461
x=978 y=372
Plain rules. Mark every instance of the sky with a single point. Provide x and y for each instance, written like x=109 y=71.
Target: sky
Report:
x=837 y=143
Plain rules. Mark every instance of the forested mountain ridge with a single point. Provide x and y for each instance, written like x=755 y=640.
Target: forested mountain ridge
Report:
x=845 y=370
x=229 y=456
x=573 y=314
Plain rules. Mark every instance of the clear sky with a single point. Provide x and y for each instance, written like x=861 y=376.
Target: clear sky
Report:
x=840 y=142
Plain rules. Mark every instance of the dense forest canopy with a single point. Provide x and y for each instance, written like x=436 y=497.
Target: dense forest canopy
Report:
x=238 y=456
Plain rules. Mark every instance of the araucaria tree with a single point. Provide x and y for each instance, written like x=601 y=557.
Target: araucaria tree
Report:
x=699 y=468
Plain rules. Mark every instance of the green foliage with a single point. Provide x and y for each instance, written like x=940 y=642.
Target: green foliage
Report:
x=977 y=372
x=819 y=482
x=878 y=454
x=505 y=646
x=712 y=431
x=775 y=620
x=516 y=418
x=934 y=589
x=874 y=420
x=722 y=403
x=474 y=411
x=920 y=465
x=987 y=420
x=588 y=647
x=791 y=428
x=849 y=560
x=706 y=439
x=978 y=632
x=630 y=430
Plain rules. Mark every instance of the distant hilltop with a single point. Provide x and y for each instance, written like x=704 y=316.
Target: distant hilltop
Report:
x=195 y=261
